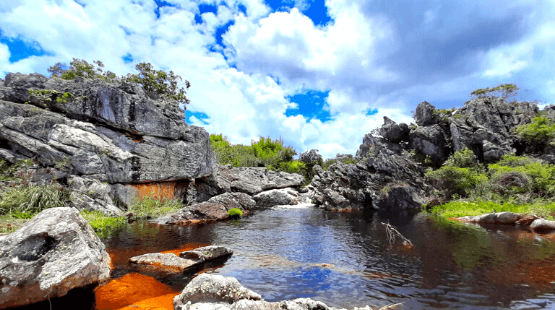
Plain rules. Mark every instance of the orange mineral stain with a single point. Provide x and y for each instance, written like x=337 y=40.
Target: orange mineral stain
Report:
x=134 y=290
x=156 y=189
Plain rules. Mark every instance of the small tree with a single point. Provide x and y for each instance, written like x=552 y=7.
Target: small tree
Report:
x=503 y=90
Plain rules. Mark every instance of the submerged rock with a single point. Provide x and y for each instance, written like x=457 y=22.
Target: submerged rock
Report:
x=51 y=254
x=185 y=261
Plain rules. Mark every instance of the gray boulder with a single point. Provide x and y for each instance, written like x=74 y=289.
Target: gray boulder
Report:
x=394 y=132
x=424 y=114
x=51 y=254
x=215 y=292
x=430 y=141
x=276 y=197
x=252 y=180
x=208 y=288
x=90 y=194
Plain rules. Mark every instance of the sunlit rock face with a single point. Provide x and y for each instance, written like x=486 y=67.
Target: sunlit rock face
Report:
x=51 y=254
x=111 y=133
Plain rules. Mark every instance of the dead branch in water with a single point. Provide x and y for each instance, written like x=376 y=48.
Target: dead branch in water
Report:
x=392 y=232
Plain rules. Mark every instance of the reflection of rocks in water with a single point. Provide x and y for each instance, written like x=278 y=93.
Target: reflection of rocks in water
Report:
x=134 y=291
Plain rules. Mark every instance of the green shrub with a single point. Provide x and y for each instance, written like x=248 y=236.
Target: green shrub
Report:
x=459 y=174
x=294 y=166
x=234 y=212
x=542 y=176
x=503 y=90
x=539 y=132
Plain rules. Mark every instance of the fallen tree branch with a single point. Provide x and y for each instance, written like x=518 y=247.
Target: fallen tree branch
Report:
x=392 y=232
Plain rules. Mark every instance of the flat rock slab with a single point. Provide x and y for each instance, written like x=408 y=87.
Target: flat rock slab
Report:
x=51 y=254
x=185 y=261
x=207 y=253
x=167 y=260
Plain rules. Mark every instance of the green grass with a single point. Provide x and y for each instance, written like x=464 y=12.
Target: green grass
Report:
x=103 y=225
x=151 y=207
x=461 y=208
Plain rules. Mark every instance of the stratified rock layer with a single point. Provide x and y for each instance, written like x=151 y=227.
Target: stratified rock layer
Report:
x=51 y=254
x=105 y=129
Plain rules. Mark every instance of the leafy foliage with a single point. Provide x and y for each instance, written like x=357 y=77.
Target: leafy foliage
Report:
x=539 y=132
x=504 y=90
x=262 y=153
x=458 y=174
x=153 y=81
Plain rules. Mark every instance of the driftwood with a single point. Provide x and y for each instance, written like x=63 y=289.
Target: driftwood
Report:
x=392 y=232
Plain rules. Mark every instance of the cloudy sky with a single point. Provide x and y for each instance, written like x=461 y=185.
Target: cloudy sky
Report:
x=319 y=74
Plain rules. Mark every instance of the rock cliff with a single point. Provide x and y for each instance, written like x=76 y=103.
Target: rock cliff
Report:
x=100 y=132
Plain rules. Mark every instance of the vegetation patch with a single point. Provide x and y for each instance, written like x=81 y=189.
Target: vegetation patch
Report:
x=103 y=225
x=235 y=213
x=153 y=207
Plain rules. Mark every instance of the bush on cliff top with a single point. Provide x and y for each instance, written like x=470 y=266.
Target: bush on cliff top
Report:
x=538 y=133
x=153 y=81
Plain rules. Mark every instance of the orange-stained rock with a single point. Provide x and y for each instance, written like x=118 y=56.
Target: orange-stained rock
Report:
x=156 y=189
x=131 y=289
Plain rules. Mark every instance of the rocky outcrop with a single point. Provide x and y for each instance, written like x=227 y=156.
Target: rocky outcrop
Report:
x=95 y=130
x=51 y=254
x=487 y=125
x=186 y=260
x=211 y=292
x=385 y=178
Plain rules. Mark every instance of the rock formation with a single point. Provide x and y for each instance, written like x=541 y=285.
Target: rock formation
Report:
x=388 y=177
x=54 y=252
x=95 y=130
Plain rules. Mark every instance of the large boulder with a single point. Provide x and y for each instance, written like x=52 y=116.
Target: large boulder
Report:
x=276 y=197
x=424 y=114
x=185 y=261
x=51 y=254
x=394 y=132
x=111 y=133
x=215 y=292
x=251 y=180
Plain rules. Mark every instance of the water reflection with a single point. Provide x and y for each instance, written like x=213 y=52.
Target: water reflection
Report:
x=345 y=259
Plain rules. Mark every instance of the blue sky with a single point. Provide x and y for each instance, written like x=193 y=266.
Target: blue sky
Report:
x=318 y=74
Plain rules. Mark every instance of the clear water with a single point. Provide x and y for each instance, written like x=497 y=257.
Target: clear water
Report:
x=346 y=260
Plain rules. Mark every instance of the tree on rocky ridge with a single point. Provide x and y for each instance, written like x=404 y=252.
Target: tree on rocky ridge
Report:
x=504 y=90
